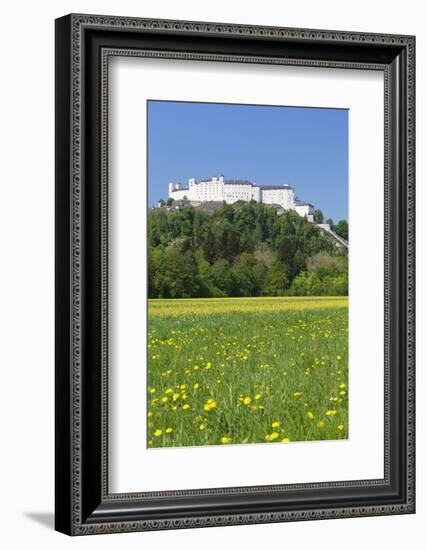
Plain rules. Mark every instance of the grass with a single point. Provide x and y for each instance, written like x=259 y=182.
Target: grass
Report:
x=247 y=370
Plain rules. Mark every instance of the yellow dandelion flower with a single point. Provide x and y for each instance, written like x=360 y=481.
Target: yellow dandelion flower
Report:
x=149 y=414
x=310 y=415
x=321 y=424
x=342 y=386
x=331 y=412
x=183 y=386
x=285 y=440
x=342 y=392
x=257 y=396
x=224 y=440
x=247 y=400
x=169 y=430
x=208 y=366
x=341 y=427
x=169 y=390
x=174 y=408
x=158 y=432
x=276 y=424
x=164 y=399
x=211 y=404
x=196 y=386
x=186 y=406
x=272 y=436
x=202 y=427
x=297 y=394
x=152 y=390
x=339 y=357
x=175 y=396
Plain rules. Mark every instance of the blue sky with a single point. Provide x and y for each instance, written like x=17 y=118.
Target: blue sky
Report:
x=306 y=148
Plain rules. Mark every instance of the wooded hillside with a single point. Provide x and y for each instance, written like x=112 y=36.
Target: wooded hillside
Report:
x=245 y=249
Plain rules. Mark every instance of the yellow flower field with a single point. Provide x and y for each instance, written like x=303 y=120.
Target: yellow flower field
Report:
x=247 y=370
x=199 y=306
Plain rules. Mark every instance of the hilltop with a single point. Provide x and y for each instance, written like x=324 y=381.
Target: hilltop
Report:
x=243 y=249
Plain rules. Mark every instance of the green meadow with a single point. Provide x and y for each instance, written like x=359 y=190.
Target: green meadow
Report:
x=247 y=370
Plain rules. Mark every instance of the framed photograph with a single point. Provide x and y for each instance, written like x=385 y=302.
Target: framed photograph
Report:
x=234 y=274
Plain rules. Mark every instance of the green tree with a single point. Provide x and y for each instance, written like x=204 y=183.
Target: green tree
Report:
x=342 y=229
x=248 y=276
x=277 y=280
x=222 y=276
x=179 y=276
x=243 y=249
x=209 y=246
x=319 y=216
x=326 y=276
x=208 y=286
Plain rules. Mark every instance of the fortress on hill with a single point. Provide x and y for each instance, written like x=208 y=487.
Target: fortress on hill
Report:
x=219 y=189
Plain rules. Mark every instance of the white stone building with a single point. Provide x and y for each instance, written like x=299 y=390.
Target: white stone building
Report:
x=219 y=189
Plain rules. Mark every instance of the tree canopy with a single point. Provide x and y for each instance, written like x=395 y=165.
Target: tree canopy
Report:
x=244 y=249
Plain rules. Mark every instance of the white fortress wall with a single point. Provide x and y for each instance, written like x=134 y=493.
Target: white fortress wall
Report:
x=177 y=191
x=234 y=192
x=179 y=194
x=208 y=190
x=282 y=196
x=219 y=189
x=304 y=209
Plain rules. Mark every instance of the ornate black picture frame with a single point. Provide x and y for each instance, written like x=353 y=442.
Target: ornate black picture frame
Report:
x=84 y=44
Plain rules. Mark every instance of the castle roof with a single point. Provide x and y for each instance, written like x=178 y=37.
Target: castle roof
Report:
x=239 y=182
x=272 y=187
x=243 y=182
x=300 y=203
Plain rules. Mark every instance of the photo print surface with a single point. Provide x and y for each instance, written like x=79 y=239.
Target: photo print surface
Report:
x=248 y=244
